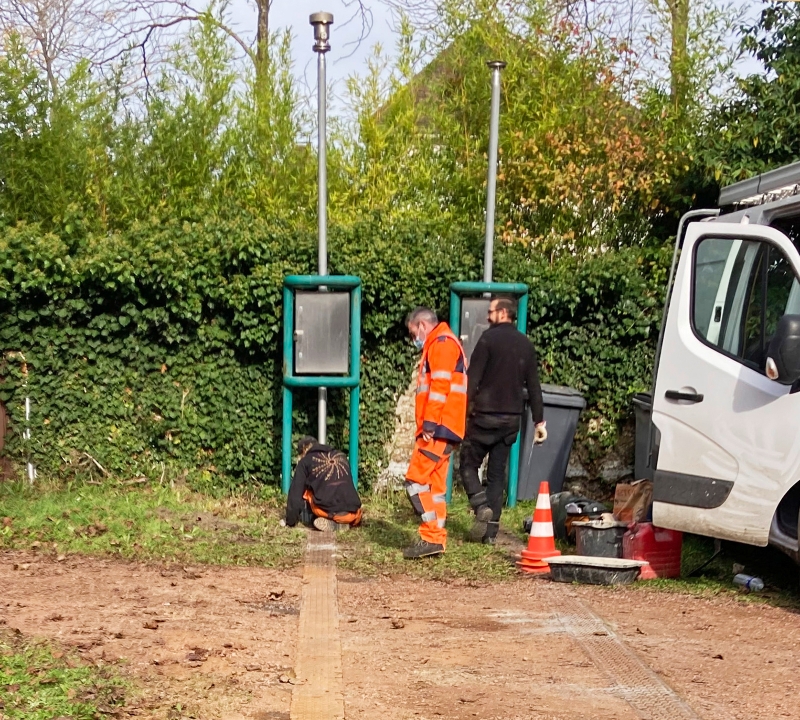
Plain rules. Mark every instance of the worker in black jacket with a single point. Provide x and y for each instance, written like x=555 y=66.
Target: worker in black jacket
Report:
x=502 y=367
x=322 y=493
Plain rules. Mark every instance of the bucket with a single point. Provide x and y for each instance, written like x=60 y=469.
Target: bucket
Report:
x=661 y=548
x=599 y=538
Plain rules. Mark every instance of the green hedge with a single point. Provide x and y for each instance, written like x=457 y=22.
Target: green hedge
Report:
x=161 y=348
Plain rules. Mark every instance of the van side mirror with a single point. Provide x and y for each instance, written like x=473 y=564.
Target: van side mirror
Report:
x=783 y=356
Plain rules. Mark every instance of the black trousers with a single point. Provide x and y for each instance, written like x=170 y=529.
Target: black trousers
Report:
x=493 y=435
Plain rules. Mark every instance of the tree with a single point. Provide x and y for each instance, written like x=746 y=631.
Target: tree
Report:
x=136 y=33
x=204 y=140
x=57 y=33
x=578 y=162
x=257 y=50
x=60 y=34
x=759 y=128
x=679 y=53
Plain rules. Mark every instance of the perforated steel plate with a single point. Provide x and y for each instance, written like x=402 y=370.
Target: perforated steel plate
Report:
x=318 y=692
x=631 y=679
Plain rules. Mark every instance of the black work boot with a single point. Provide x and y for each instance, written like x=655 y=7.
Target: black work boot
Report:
x=490 y=537
x=422 y=548
x=483 y=515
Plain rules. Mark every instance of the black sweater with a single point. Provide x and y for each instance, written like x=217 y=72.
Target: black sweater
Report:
x=502 y=366
x=326 y=473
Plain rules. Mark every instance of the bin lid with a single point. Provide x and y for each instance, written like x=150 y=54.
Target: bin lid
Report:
x=562 y=396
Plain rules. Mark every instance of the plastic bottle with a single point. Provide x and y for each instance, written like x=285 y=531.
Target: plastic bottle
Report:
x=748 y=582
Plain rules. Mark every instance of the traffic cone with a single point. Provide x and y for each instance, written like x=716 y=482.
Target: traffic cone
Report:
x=541 y=543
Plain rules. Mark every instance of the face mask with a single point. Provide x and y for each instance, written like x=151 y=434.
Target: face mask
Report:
x=419 y=343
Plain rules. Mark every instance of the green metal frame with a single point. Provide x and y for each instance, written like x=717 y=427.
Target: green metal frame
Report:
x=520 y=290
x=291 y=283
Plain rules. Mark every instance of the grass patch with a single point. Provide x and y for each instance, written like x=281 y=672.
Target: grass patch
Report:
x=175 y=524
x=512 y=518
x=390 y=525
x=38 y=682
x=779 y=573
x=151 y=522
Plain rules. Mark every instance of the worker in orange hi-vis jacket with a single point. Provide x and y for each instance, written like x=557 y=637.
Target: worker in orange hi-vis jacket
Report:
x=441 y=409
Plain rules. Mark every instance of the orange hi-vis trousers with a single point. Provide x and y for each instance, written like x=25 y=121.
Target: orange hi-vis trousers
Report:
x=353 y=518
x=426 y=485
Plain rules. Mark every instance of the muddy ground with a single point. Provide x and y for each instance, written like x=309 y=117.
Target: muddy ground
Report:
x=219 y=643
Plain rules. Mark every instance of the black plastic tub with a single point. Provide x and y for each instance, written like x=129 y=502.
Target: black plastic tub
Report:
x=598 y=538
x=594 y=570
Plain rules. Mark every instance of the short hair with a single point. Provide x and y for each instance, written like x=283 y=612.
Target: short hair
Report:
x=422 y=314
x=506 y=303
x=304 y=443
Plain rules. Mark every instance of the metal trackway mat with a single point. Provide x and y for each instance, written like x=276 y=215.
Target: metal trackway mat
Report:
x=318 y=693
x=631 y=679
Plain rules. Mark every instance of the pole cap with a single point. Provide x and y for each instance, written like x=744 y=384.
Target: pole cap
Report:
x=496 y=64
x=322 y=22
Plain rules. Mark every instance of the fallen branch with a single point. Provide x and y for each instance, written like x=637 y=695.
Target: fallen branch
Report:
x=99 y=466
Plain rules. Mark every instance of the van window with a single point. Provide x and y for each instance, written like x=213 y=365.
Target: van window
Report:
x=741 y=289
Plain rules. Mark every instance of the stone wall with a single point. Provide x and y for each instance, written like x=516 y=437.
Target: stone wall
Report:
x=399 y=448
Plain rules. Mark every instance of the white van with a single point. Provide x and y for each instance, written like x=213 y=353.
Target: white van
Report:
x=726 y=406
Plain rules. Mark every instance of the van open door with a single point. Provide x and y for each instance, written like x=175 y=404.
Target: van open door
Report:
x=730 y=446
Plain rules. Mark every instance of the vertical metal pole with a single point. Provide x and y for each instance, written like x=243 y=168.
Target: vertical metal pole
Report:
x=288 y=348
x=322 y=213
x=455 y=326
x=355 y=392
x=286 y=441
x=321 y=22
x=322 y=170
x=513 y=462
x=491 y=179
x=355 y=398
x=26 y=435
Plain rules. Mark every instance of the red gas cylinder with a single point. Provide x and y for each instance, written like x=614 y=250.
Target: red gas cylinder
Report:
x=659 y=547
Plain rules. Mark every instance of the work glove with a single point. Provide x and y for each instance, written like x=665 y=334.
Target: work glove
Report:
x=539 y=434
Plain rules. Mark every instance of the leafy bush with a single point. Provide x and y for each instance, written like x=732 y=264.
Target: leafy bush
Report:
x=162 y=346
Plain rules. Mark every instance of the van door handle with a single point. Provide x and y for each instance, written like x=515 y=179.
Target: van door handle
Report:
x=685 y=396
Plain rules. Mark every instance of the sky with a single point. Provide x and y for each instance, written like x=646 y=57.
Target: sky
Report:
x=348 y=54
x=346 y=57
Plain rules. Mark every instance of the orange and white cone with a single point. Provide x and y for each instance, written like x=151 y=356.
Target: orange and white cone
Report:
x=541 y=543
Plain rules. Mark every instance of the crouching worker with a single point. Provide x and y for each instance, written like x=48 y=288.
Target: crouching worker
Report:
x=322 y=493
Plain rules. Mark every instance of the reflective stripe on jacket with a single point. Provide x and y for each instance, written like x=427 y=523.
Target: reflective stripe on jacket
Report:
x=441 y=404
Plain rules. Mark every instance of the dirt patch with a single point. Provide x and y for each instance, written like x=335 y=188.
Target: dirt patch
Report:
x=213 y=643
x=727 y=658
x=488 y=651
x=449 y=659
x=198 y=641
x=210 y=521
